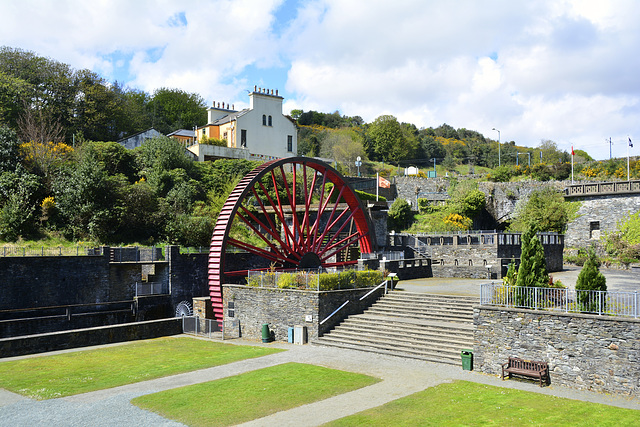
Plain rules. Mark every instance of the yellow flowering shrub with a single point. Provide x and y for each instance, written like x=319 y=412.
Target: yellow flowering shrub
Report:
x=458 y=221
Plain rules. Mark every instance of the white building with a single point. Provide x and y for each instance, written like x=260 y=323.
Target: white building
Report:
x=260 y=132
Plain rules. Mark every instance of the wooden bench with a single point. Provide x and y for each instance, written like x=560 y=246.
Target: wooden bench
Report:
x=526 y=368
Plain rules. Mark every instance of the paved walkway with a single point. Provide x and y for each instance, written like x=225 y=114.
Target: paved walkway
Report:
x=617 y=280
x=400 y=377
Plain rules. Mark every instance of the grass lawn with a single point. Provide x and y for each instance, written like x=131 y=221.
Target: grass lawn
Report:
x=49 y=377
x=465 y=403
x=252 y=395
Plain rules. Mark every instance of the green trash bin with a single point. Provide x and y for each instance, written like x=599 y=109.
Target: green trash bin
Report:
x=467 y=360
x=266 y=335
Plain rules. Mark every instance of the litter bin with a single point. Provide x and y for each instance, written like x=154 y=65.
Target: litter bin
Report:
x=266 y=336
x=467 y=360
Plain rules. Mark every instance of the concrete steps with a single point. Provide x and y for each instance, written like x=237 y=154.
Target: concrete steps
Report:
x=421 y=326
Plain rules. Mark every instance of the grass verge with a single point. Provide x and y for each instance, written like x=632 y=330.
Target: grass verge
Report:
x=66 y=374
x=251 y=395
x=466 y=403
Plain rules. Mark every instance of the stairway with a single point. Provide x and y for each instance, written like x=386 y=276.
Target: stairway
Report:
x=420 y=326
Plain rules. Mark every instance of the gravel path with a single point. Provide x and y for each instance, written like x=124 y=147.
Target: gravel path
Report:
x=400 y=377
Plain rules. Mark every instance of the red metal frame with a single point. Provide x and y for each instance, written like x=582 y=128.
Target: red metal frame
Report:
x=287 y=246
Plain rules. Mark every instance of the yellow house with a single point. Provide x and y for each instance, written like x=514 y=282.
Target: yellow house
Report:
x=261 y=130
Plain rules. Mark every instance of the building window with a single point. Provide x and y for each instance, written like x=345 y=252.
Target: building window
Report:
x=594 y=230
x=270 y=121
x=204 y=132
x=290 y=143
x=243 y=138
x=264 y=120
x=224 y=136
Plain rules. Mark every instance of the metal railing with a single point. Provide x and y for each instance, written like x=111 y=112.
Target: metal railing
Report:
x=386 y=290
x=392 y=255
x=151 y=288
x=202 y=327
x=14 y=251
x=625 y=304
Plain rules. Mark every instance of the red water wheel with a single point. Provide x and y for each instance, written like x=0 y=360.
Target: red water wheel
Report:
x=292 y=213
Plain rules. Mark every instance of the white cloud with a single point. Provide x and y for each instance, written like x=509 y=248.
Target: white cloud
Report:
x=564 y=70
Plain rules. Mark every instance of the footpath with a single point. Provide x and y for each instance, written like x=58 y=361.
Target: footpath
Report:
x=400 y=377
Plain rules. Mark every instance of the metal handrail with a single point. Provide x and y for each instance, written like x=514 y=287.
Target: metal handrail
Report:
x=376 y=288
x=336 y=310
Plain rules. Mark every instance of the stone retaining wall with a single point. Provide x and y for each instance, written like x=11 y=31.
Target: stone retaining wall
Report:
x=285 y=308
x=603 y=212
x=588 y=352
x=18 y=346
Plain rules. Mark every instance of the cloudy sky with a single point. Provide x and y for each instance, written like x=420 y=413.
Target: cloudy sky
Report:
x=568 y=71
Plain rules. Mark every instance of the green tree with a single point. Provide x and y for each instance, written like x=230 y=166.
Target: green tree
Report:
x=590 y=279
x=98 y=109
x=173 y=109
x=19 y=191
x=388 y=142
x=9 y=150
x=533 y=268
x=90 y=200
x=400 y=215
x=46 y=85
x=546 y=209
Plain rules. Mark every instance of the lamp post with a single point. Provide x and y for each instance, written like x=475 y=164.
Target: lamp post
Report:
x=498 y=145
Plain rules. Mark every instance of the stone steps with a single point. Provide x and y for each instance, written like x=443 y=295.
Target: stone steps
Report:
x=421 y=326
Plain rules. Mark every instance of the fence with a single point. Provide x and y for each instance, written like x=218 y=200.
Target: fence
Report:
x=562 y=300
x=11 y=251
x=196 y=326
x=151 y=288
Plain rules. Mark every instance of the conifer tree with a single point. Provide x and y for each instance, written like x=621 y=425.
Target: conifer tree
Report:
x=590 y=279
x=533 y=267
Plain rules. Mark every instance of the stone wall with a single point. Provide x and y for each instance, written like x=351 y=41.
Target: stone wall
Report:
x=604 y=212
x=187 y=275
x=28 y=282
x=501 y=197
x=55 y=341
x=79 y=288
x=285 y=308
x=588 y=352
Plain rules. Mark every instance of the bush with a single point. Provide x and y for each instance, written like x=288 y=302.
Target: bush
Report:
x=369 y=196
x=590 y=279
x=501 y=174
x=399 y=215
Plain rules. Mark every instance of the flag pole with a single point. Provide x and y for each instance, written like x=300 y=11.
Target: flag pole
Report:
x=572 y=153
x=377 y=186
x=630 y=145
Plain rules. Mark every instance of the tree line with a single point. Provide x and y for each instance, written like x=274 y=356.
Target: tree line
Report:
x=101 y=192
x=47 y=100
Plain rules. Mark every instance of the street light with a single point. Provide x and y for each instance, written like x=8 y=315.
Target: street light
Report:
x=498 y=145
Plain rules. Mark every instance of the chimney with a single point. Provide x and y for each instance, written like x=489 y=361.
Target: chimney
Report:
x=233 y=106
x=255 y=88
x=276 y=92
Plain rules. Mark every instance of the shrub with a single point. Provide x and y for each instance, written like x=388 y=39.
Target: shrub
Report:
x=399 y=215
x=501 y=174
x=533 y=268
x=590 y=279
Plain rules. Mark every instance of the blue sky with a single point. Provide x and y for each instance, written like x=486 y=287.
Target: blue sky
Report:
x=564 y=70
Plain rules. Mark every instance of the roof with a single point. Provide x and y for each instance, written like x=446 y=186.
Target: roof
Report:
x=138 y=133
x=183 y=132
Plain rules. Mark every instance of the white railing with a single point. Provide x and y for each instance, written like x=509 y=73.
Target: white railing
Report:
x=562 y=300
